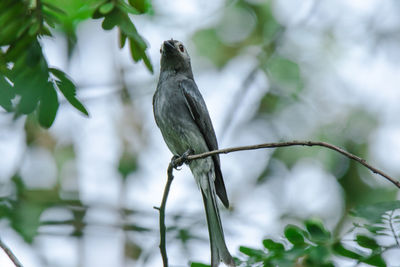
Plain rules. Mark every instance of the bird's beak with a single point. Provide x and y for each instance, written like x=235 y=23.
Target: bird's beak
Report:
x=169 y=45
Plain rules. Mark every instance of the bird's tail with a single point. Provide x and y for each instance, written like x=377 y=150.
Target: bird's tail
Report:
x=219 y=251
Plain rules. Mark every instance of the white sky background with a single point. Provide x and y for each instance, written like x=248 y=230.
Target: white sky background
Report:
x=368 y=77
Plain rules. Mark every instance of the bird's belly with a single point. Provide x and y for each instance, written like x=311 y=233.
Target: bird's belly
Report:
x=181 y=133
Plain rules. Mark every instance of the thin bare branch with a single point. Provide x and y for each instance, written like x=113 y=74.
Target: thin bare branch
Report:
x=297 y=143
x=161 y=210
x=10 y=254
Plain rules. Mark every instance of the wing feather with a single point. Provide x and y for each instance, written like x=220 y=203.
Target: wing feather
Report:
x=200 y=115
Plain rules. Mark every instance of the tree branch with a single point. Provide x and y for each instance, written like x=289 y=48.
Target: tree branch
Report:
x=10 y=254
x=161 y=210
x=178 y=161
x=295 y=143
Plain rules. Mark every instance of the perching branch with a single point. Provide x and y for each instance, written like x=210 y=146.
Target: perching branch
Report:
x=10 y=254
x=161 y=210
x=295 y=143
x=186 y=158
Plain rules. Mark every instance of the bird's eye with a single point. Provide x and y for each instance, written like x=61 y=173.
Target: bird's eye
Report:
x=181 y=48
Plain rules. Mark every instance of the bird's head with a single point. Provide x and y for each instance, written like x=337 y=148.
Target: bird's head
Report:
x=174 y=57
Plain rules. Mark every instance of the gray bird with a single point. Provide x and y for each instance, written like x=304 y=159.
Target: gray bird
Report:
x=182 y=116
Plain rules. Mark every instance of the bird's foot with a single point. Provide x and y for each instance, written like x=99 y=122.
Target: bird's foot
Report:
x=178 y=161
x=186 y=155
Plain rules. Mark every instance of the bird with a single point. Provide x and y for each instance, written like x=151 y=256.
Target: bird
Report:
x=182 y=116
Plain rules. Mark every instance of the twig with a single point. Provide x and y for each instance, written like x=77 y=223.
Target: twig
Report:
x=186 y=158
x=10 y=254
x=297 y=143
x=161 y=210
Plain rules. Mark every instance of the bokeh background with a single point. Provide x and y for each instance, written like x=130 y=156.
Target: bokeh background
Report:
x=82 y=193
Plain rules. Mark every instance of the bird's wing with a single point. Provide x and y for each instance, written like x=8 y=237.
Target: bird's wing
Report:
x=199 y=112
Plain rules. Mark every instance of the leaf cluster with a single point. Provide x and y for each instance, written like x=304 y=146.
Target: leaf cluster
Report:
x=27 y=83
x=314 y=245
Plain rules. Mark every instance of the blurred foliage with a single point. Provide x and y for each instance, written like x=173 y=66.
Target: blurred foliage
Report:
x=116 y=13
x=313 y=245
x=25 y=208
x=263 y=31
x=27 y=83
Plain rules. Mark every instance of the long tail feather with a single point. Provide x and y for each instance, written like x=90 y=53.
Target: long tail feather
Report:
x=219 y=251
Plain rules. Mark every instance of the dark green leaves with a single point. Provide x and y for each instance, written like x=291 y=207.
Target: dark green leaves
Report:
x=313 y=246
x=68 y=89
x=6 y=94
x=48 y=106
x=294 y=235
x=143 y=6
x=30 y=79
x=301 y=247
x=271 y=245
x=116 y=15
x=258 y=254
x=373 y=213
x=317 y=231
x=342 y=251
x=366 y=242
x=374 y=258
x=106 y=8
x=27 y=84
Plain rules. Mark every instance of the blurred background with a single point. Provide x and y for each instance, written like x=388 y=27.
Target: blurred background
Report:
x=82 y=193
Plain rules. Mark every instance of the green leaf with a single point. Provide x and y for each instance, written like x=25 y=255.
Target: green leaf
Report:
x=137 y=228
x=319 y=256
x=29 y=100
x=198 y=264
x=342 y=251
x=6 y=94
x=269 y=103
x=374 y=229
x=122 y=39
x=374 y=212
x=127 y=164
x=26 y=24
x=252 y=252
x=106 y=8
x=209 y=45
x=143 y=6
x=34 y=28
x=34 y=54
x=54 y=8
x=111 y=20
x=48 y=106
x=128 y=30
x=273 y=246
x=138 y=53
x=375 y=260
x=127 y=8
x=25 y=220
x=294 y=235
x=318 y=233
x=285 y=72
x=68 y=89
x=366 y=242
x=147 y=62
